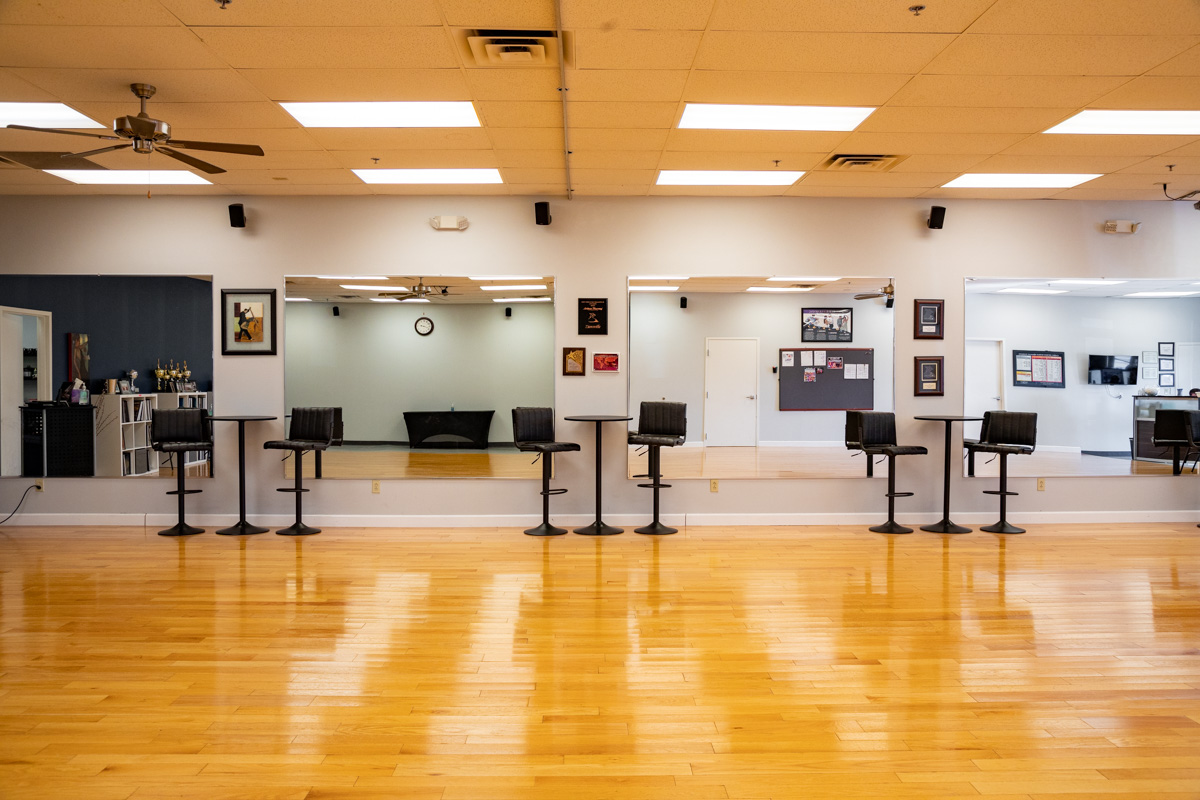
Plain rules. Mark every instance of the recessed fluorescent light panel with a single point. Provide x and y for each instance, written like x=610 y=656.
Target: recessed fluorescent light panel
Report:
x=509 y=287
x=726 y=177
x=1136 y=123
x=362 y=287
x=718 y=116
x=1162 y=294
x=384 y=300
x=779 y=289
x=654 y=288
x=429 y=176
x=130 y=177
x=1081 y=282
x=658 y=277
x=415 y=300
x=351 y=278
x=44 y=115
x=506 y=278
x=520 y=299
x=804 y=279
x=297 y=299
x=1020 y=290
x=384 y=115
x=1014 y=180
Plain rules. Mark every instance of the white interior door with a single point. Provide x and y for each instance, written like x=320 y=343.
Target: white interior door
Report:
x=731 y=392
x=983 y=380
x=12 y=384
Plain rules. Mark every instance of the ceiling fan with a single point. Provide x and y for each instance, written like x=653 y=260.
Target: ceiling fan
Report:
x=420 y=291
x=147 y=135
x=888 y=292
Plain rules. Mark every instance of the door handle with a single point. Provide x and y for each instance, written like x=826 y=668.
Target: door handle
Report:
x=749 y=397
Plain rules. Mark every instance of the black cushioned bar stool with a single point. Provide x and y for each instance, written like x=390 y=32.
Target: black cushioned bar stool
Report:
x=1006 y=433
x=310 y=429
x=179 y=431
x=1174 y=428
x=660 y=424
x=533 y=432
x=876 y=433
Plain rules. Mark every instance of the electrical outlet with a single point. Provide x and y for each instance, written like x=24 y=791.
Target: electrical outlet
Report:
x=39 y=484
x=713 y=485
x=1041 y=484
x=374 y=487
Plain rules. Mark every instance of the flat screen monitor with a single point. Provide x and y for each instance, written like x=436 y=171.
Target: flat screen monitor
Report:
x=1112 y=369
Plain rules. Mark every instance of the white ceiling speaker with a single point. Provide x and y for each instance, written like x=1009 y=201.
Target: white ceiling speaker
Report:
x=1121 y=226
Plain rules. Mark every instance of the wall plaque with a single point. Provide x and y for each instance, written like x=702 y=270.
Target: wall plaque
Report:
x=593 y=316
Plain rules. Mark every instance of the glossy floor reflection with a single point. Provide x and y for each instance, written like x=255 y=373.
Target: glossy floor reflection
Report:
x=717 y=663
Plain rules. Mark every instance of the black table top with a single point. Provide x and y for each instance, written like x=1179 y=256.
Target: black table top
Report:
x=948 y=418
x=241 y=418
x=598 y=418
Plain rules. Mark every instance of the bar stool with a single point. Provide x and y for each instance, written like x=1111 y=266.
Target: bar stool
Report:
x=1005 y=433
x=533 y=432
x=876 y=432
x=180 y=430
x=310 y=429
x=1174 y=428
x=660 y=424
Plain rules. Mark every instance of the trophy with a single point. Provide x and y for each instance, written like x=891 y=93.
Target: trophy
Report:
x=187 y=373
x=159 y=373
x=133 y=373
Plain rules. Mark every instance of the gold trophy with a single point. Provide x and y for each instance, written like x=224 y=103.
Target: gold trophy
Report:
x=186 y=373
x=159 y=373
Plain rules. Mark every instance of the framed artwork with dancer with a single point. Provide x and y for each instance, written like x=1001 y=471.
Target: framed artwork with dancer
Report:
x=248 y=322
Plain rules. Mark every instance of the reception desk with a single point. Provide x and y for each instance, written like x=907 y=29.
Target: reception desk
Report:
x=1145 y=408
x=461 y=429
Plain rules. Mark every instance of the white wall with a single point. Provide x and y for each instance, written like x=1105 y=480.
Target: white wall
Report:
x=666 y=357
x=370 y=361
x=592 y=246
x=1080 y=416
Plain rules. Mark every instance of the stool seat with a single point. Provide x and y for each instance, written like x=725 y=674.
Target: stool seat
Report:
x=295 y=444
x=1005 y=433
x=660 y=424
x=181 y=430
x=654 y=439
x=533 y=432
x=547 y=447
x=310 y=429
x=896 y=450
x=874 y=432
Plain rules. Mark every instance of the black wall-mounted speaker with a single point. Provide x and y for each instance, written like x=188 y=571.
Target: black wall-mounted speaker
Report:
x=683 y=302
x=937 y=217
x=237 y=215
x=507 y=311
x=541 y=213
x=336 y=311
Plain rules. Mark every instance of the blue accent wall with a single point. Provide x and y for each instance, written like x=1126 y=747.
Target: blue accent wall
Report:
x=131 y=322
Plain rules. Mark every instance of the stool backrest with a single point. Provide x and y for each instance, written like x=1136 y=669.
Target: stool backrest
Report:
x=180 y=425
x=877 y=428
x=533 y=424
x=854 y=430
x=666 y=418
x=338 y=427
x=1009 y=427
x=311 y=425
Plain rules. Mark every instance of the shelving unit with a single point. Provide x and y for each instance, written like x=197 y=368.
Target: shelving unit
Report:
x=123 y=435
x=202 y=400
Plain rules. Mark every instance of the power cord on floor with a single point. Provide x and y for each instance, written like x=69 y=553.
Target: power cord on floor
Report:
x=19 y=502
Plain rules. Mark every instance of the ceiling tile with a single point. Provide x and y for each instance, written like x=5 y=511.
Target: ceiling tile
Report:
x=787 y=88
x=184 y=116
x=815 y=190
x=882 y=180
x=77 y=47
x=514 y=14
x=843 y=15
x=513 y=175
x=538 y=189
x=513 y=85
x=316 y=85
x=544 y=159
x=928 y=143
x=940 y=163
x=1192 y=149
x=296 y=177
x=172 y=85
x=609 y=176
x=1165 y=17
x=929 y=119
x=273 y=160
x=520 y=115
x=526 y=138
x=683 y=15
x=993 y=194
x=1004 y=91
x=1185 y=64
x=625 y=49
x=618 y=139
x=1056 y=54
x=1097 y=145
x=623 y=85
x=1183 y=165
x=615 y=159
x=16 y=89
x=622 y=115
x=1131 y=186
x=304 y=13
x=332 y=48
x=401 y=138
x=270 y=139
x=820 y=52
x=27 y=177
x=416 y=159
x=612 y=191
x=1154 y=93
x=1070 y=164
x=728 y=159
x=755 y=141
x=285 y=188
x=128 y=13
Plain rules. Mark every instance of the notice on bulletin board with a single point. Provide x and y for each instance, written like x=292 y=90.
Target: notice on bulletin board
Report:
x=788 y=359
x=1039 y=369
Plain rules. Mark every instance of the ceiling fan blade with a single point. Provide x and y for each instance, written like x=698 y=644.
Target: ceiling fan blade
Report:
x=203 y=166
x=68 y=133
x=97 y=152
x=219 y=147
x=868 y=296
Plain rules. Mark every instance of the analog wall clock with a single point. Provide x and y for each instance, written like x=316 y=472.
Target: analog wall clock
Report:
x=423 y=326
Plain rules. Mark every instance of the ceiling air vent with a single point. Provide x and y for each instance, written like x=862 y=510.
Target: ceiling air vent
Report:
x=861 y=162
x=488 y=47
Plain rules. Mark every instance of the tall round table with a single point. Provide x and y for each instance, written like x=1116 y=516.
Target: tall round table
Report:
x=946 y=526
x=242 y=527
x=599 y=528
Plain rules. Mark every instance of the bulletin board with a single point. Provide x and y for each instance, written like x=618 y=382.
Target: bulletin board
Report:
x=1039 y=368
x=827 y=379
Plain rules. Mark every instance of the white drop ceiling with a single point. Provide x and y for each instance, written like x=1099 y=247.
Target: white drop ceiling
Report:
x=965 y=86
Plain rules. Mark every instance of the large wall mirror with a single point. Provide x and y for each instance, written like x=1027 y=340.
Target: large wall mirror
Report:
x=1095 y=359
x=766 y=365
x=426 y=370
x=101 y=329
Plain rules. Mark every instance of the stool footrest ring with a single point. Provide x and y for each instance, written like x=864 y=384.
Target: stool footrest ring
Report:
x=293 y=490
x=185 y=491
x=899 y=494
x=554 y=491
x=654 y=486
x=1000 y=493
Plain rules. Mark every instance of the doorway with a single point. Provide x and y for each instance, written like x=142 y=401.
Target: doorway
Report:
x=730 y=392
x=983 y=379
x=24 y=375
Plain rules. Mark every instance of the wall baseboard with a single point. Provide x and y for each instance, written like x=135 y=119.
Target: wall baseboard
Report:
x=781 y=443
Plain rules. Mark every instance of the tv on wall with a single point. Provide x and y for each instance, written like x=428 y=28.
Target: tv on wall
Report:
x=1112 y=369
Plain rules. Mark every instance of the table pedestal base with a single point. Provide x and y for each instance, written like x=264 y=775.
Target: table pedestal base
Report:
x=298 y=529
x=242 y=528
x=891 y=527
x=599 y=528
x=181 y=529
x=656 y=529
x=1002 y=527
x=545 y=529
x=945 y=526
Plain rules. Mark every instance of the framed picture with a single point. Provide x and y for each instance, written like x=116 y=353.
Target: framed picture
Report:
x=248 y=322
x=927 y=319
x=1042 y=369
x=593 y=316
x=1166 y=349
x=826 y=324
x=1166 y=379
x=606 y=362
x=928 y=378
x=124 y=386
x=574 y=360
x=1166 y=364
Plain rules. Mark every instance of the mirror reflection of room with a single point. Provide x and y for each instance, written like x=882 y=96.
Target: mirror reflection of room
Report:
x=78 y=361
x=767 y=366
x=1096 y=360
x=426 y=370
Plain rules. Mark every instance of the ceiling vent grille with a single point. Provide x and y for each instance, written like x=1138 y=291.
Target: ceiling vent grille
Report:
x=489 y=47
x=861 y=162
